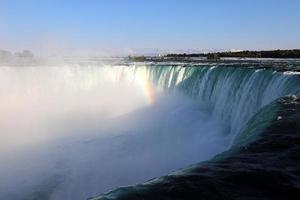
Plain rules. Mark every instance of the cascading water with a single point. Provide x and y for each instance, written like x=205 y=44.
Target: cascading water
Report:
x=233 y=94
x=94 y=128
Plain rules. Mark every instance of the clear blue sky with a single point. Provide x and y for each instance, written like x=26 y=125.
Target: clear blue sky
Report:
x=126 y=26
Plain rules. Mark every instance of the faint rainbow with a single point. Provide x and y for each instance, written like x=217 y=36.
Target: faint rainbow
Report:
x=147 y=87
x=149 y=92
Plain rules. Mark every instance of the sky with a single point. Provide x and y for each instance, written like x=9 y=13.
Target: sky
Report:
x=122 y=27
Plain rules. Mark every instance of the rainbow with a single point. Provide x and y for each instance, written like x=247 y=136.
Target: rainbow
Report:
x=147 y=87
x=149 y=92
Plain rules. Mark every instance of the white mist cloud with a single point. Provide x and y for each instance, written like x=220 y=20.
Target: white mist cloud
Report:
x=74 y=132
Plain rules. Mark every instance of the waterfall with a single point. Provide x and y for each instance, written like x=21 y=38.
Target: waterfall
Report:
x=94 y=128
x=234 y=94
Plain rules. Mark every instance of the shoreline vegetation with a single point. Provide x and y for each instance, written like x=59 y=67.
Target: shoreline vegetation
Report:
x=10 y=58
x=282 y=54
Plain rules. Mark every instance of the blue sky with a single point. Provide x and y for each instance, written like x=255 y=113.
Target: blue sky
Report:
x=129 y=26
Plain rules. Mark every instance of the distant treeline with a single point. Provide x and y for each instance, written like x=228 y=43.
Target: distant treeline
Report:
x=24 y=57
x=294 y=53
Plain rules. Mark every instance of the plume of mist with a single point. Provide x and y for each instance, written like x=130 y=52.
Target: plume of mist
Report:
x=73 y=132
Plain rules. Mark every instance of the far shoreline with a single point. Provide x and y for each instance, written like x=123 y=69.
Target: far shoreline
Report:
x=217 y=56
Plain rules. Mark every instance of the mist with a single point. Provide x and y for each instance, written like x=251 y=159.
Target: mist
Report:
x=73 y=132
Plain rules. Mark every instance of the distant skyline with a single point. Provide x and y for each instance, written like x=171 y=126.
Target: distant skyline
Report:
x=122 y=27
